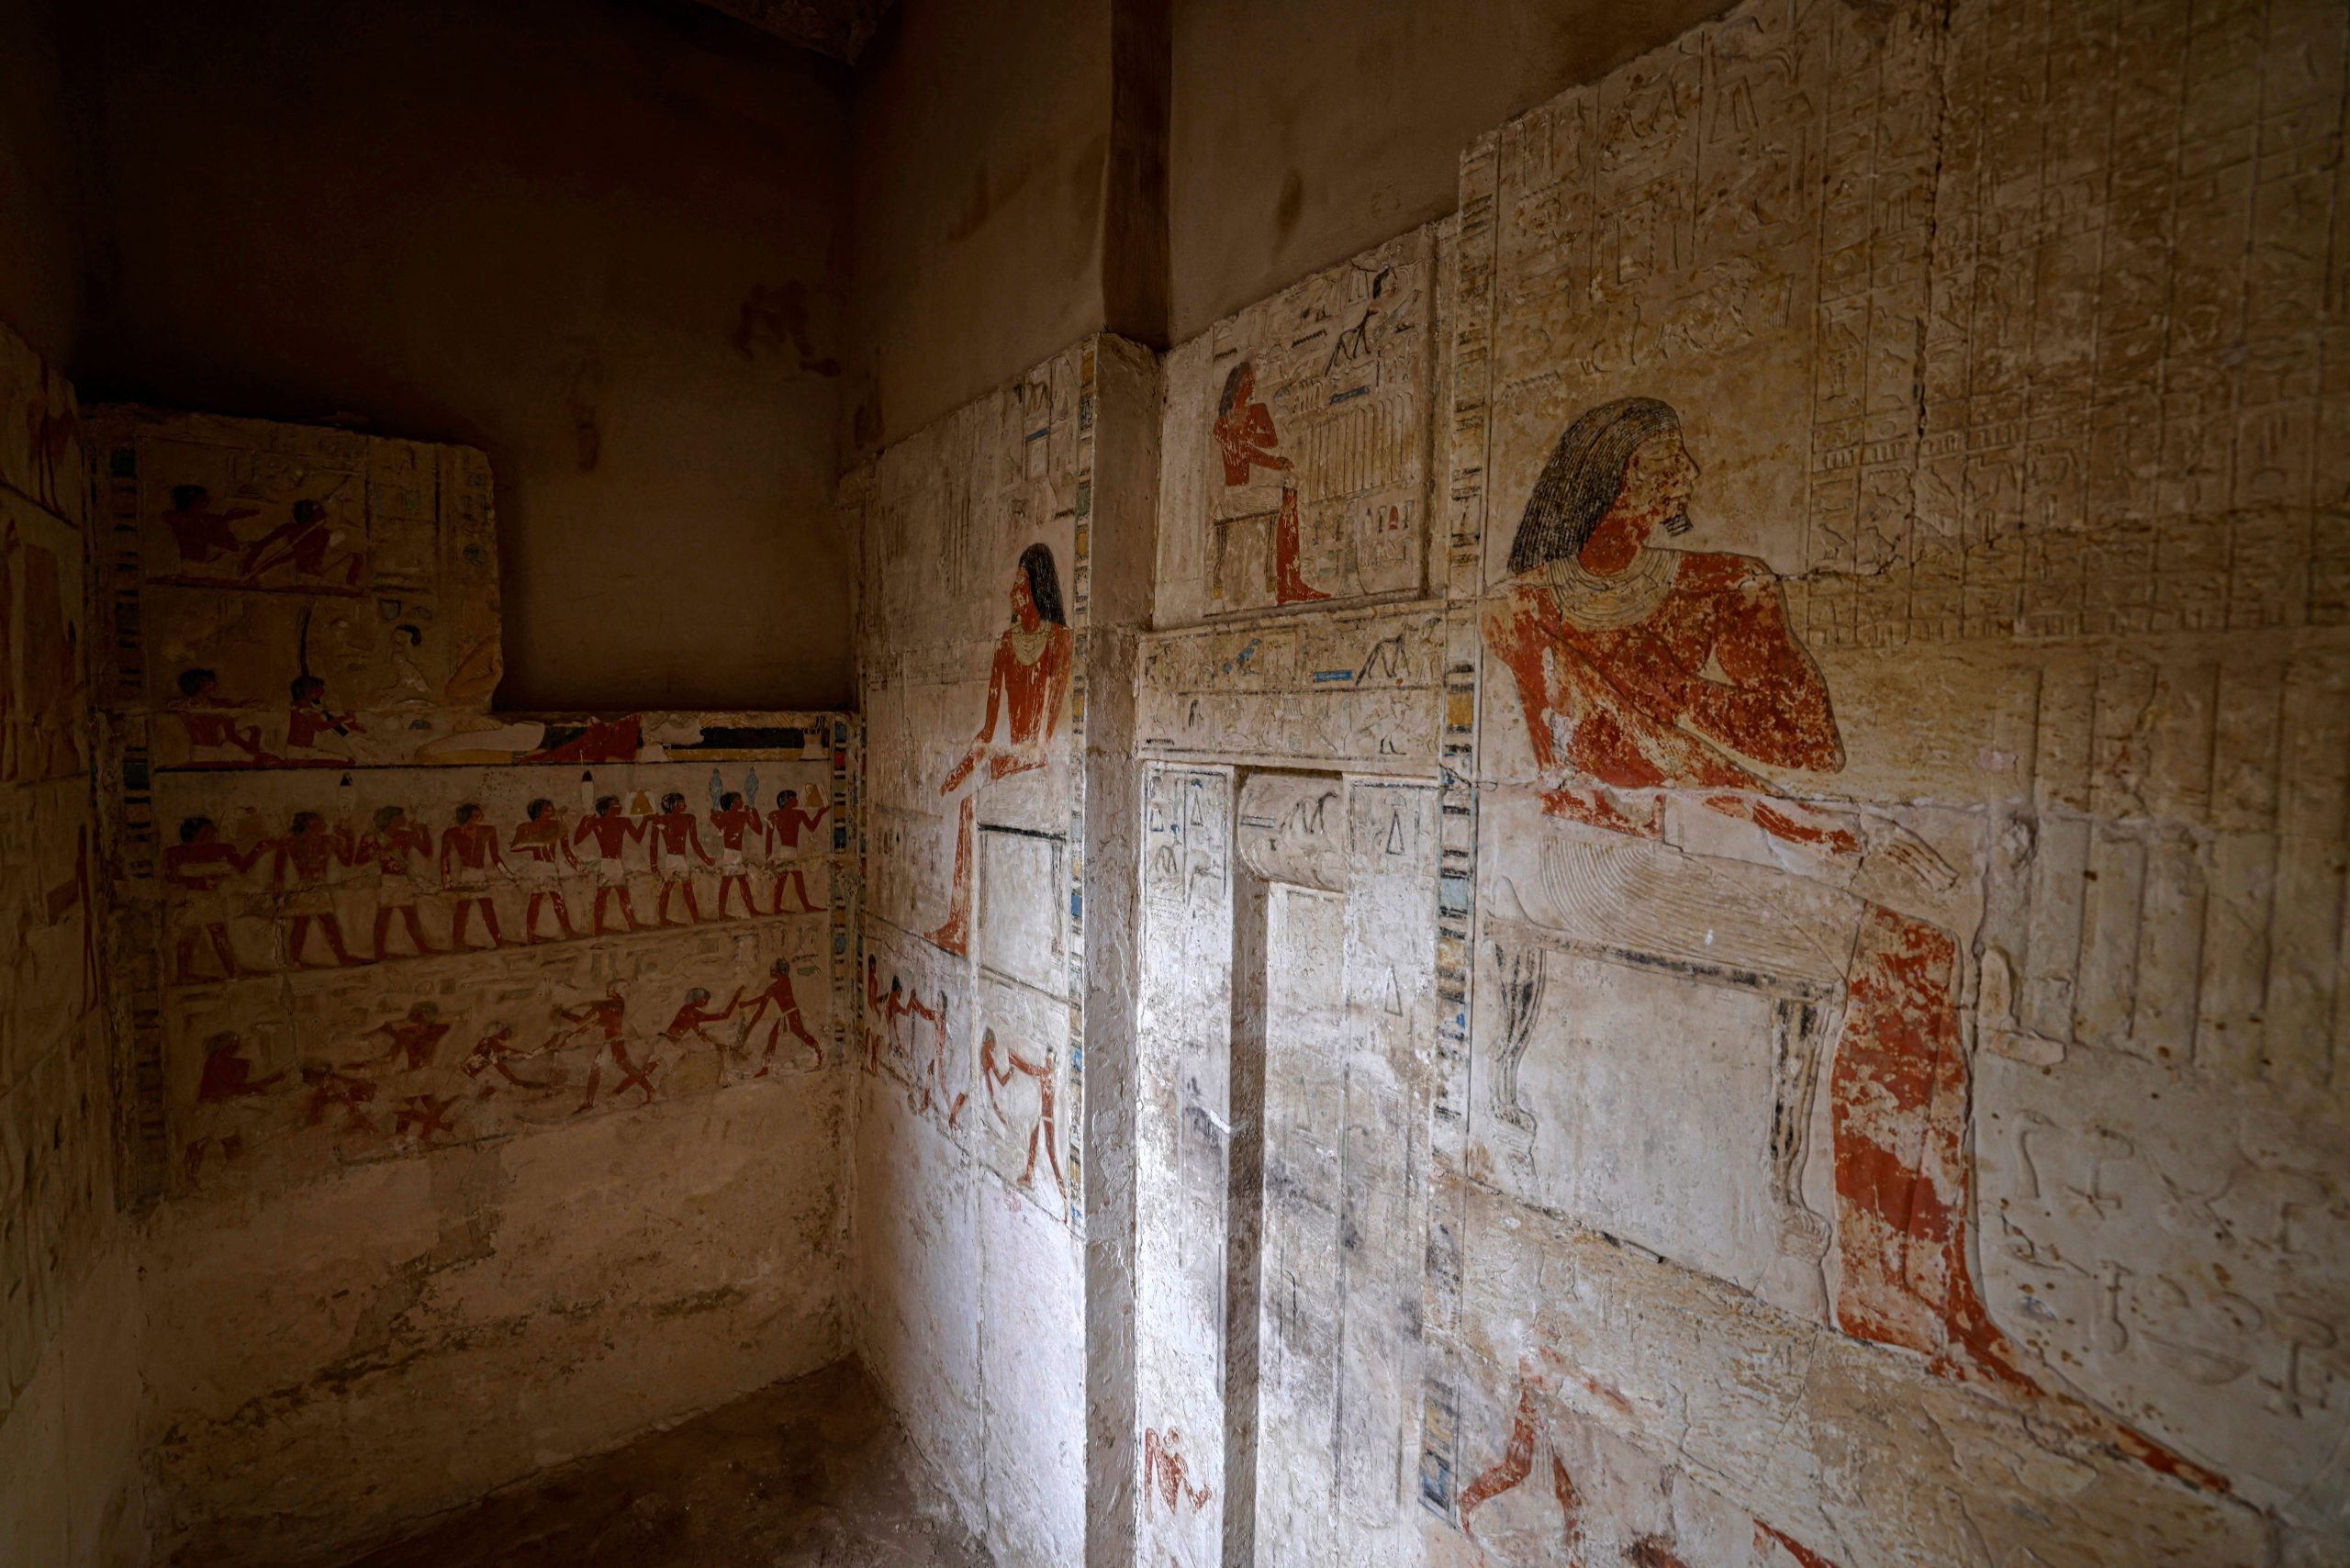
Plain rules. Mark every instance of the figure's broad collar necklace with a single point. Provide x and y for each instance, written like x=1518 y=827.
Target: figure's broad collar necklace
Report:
x=1029 y=646
x=1592 y=604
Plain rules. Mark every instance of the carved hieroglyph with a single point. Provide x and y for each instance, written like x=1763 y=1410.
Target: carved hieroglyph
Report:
x=977 y=543
x=297 y=596
x=1297 y=455
x=366 y=916
x=1356 y=689
x=1887 y=711
x=58 y=1069
x=1822 y=333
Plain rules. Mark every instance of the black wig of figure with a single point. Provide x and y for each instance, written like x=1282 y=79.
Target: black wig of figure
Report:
x=1231 y=393
x=1582 y=478
x=1044 y=583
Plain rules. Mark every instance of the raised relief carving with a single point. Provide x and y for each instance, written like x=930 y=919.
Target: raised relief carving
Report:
x=1315 y=457
x=1653 y=684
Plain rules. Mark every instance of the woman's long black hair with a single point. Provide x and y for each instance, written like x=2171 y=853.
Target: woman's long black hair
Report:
x=1044 y=582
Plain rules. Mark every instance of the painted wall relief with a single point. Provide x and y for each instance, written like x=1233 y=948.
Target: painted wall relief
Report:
x=344 y=1065
x=395 y=958
x=306 y=598
x=1646 y=676
x=1311 y=441
x=1816 y=334
x=1337 y=687
x=976 y=539
x=59 y=1071
x=1028 y=690
x=275 y=875
x=376 y=918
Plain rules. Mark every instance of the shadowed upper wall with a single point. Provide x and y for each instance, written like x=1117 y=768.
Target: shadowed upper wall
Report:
x=1307 y=132
x=982 y=135
x=595 y=239
x=39 y=226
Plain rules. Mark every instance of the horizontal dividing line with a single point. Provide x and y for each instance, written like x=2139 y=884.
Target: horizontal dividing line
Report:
x=1013 y=982
x=1025 y=832
x=1365 y=767
x=555 y=947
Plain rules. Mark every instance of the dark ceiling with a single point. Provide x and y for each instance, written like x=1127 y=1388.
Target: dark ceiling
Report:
x=835 y=27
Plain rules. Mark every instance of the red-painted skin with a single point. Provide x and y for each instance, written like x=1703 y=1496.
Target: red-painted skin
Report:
x=227 y=1075
x=330 y=1089
x=495 y=1052
x=417 y=1036
x=786 y=822
x=694 y=1019
x=311 y=850
x=201 y=865
x=1764 y=1536
x=470 y=844
x=302 y=542
x=674 y=833
x=778 y=996
x=603 y=740
x=309 y=717
x=1042 y=1130
x=612 y=832
x=214 y=731
x=208 y=719
x=733 y=825
x=425 y=1114
x=1245 y=440
x=933 y=1073
x=1027 y=698
x=544 y=840
x=1517 y=1462
x=784 y=825
x=1165 y=1476
x=388 y=851
x=606 y=1016
x=1641 y=716
x=199 y=533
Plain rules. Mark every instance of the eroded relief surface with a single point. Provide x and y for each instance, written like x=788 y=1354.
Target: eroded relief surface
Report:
x=1356 y=689
x=1292 y=840
x=58 y=1070
x=1907 y=716
x=303 y=597
x=1298 y=450
x=419 y=956
x=976 y=535
x=375 y=918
